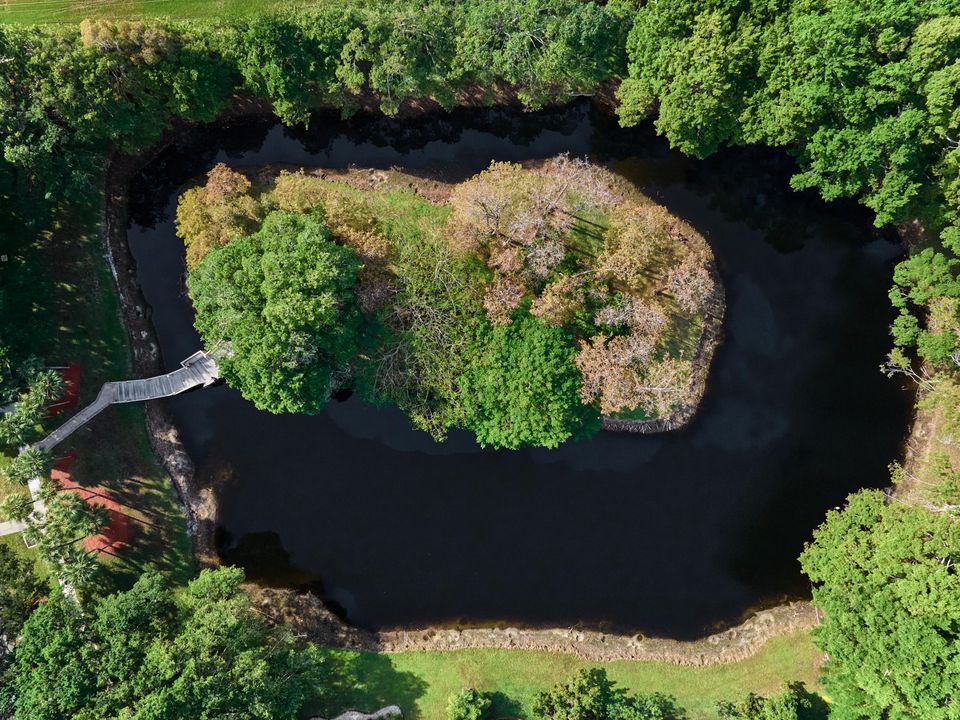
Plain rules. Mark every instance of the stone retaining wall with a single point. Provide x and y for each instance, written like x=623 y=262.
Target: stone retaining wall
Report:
x=308 y=616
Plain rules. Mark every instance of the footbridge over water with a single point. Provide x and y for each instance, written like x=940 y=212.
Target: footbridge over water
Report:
x=198 y=370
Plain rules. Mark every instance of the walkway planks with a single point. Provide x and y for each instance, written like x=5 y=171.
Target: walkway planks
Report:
x=12 y=527
x=198 y=369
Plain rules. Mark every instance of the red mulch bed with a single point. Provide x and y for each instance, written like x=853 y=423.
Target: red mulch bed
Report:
x=71 y=389
x=117 y=532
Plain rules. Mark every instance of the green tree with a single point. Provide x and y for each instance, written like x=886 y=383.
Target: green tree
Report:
x=29 y=464
x=276 y=59
x=695 y=64
x=51 y=676
x=863 y=92
x=402 y=50
x=927 y=284
x=793 y=704
x=43 y=387
x=468 y=704
x=196 y=80
x=153 y=653
x=885 y=576
x=521 y=387
x=57 y=533
x=16 y=506
x=547 y=49
x=282 y=302
x=19 y=588
x=591 y=695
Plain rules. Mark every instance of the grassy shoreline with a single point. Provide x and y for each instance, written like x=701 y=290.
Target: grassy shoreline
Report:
x=421 y=681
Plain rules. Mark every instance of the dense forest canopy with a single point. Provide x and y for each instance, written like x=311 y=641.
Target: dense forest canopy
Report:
x=886 y=580
x=156 y=652
x=523 y=307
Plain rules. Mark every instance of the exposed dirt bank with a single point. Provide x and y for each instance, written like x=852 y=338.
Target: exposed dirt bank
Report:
x=198 y=504
x=307 y=615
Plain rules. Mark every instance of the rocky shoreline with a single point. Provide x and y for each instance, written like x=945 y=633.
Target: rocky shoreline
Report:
x=198 y=504
x=308 y=617
x=305 y=612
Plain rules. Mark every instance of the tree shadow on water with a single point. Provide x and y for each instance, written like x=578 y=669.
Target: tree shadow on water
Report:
x=368 y=681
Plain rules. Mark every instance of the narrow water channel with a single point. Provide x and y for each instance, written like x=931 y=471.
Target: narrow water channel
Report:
x=672 y=534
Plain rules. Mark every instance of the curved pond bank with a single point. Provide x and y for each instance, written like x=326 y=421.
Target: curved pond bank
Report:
x=309 y=618
x=674 y=534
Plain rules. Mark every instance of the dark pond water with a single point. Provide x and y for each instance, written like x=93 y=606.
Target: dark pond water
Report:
x=673 y=534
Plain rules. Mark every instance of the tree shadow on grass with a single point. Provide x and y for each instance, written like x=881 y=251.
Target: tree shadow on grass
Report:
x=502 y=706
x=368 y=681
x=818 y=708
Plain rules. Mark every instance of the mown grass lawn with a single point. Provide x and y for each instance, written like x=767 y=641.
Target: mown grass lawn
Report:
x=15 y=543
x=47 y=11
x=421 y=682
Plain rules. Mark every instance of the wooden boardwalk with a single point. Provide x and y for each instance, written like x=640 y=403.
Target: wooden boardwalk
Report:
x=198 y=370
x=12 y=527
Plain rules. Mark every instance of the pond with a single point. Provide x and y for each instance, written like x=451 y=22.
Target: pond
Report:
x=673 y=534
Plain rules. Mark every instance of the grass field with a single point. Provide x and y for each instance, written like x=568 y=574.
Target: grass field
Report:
x=421 y=682
x=46 y=11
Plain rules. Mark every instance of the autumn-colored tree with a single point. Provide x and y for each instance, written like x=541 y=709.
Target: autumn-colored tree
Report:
x=297 y=191
x=507 y=207
x=623 y=371
x=690 y=282
x=502 y=297
x=620 y=374
x=560 y=301
x=494 y=209
x=638 y=246
x=518 y=220
x=137 y=41
x=212 y=215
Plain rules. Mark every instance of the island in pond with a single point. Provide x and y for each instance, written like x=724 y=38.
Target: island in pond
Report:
x=527 y=304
